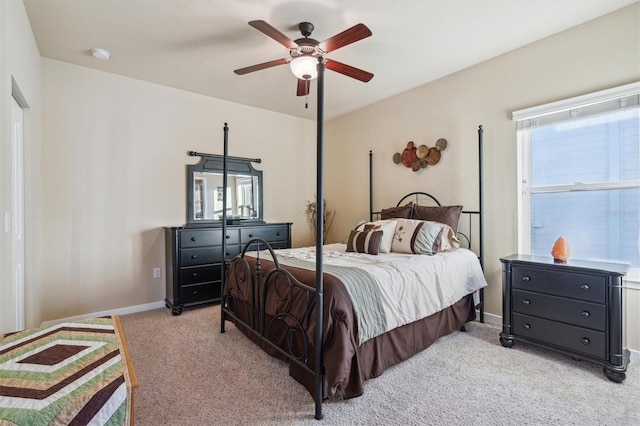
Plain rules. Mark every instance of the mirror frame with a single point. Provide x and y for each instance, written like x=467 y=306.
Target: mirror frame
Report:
x=213 y=163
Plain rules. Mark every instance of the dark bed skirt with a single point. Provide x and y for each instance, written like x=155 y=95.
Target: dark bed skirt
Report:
x=376 y=355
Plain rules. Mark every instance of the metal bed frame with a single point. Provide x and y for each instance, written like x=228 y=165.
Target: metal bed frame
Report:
x=260 y=327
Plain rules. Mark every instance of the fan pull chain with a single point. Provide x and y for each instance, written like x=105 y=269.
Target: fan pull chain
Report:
x=306 y=101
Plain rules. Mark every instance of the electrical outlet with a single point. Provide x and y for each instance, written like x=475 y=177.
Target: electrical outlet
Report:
x=156 y=272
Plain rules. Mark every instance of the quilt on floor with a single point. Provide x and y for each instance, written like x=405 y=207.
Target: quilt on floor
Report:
x=72 y=373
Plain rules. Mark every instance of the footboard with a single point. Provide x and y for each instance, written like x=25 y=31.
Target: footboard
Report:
x=270 y=304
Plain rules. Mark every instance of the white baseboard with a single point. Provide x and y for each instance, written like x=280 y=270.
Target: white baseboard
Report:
x=497 y=319
x=118 y=311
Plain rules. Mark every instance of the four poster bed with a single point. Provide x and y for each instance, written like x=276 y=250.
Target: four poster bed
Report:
x=398 y=284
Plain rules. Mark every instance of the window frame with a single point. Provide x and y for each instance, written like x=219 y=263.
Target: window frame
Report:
x=559 y=111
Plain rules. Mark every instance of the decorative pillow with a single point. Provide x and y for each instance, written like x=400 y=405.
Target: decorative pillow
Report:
x=364 y=241
x=449 y=215
x=388 y=227
x=423 y=237
x=403 y=212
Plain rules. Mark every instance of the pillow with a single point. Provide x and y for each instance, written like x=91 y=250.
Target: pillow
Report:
x=423 y=237
x=364 y=241
x=388 y=227
x=395 y=212
x=449 y=215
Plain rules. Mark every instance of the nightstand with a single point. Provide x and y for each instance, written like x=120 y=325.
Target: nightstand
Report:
x=574 y=308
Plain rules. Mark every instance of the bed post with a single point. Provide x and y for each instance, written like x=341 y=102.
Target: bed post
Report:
x=370 y=186
x=319 y=376
x=480 y=140
x=225 y=155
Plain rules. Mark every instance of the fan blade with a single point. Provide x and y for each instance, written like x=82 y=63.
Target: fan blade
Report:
x=268 y=30
x=262 y=66
x=303 y=87
x=348 y=70
x=351 y=35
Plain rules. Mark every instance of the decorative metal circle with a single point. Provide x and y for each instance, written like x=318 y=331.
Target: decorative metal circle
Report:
x=424 y=164
x=416 y=165
x=441 y=144
x=422 y=151
x=433 y=156
x=397 y=158
x=408 y=155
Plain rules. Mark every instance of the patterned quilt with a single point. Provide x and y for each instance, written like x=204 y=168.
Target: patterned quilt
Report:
x=75 y=373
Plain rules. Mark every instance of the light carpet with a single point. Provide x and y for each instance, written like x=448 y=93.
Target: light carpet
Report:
x=191 y=374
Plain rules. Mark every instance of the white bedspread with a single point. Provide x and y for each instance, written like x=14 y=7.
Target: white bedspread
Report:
x=407 y=287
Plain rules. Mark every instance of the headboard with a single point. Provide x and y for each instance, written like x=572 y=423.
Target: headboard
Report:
x=468 y=226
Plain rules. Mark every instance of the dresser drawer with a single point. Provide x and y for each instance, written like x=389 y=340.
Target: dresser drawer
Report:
x=575 y=312
x=200 y=256
x=200 y=274
x=580 y=286
x=267 y=233
x=206 y=255
x=200 y=292
x=578 y=339
x=206 y=237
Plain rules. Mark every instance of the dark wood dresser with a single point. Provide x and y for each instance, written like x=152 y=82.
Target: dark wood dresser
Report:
x=574 y=308
x=194 y=258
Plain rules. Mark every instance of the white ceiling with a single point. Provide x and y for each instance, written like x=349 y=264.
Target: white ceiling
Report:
x=195 y=45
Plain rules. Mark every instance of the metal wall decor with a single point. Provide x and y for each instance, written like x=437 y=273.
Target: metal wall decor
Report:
x=421 y=156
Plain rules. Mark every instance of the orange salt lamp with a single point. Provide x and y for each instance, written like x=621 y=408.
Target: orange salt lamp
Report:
x=561 y=250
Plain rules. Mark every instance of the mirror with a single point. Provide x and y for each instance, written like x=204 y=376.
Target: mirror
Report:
x=205 y=190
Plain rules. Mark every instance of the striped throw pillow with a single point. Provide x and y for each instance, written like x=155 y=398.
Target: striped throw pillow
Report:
x=364 y=242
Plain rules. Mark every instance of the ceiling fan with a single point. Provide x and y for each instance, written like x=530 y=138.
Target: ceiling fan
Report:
x=305 y=52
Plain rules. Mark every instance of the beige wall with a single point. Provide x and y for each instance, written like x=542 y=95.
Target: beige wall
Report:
x=594 y=56
x=110 y=171
x=114 y=158
x=19 y=70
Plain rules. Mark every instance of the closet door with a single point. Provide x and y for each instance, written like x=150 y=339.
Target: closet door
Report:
x=13 y=317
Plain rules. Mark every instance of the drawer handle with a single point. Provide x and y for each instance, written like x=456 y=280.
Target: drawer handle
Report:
x=193 y=256
x=228 y=254
x=193 y=238
x=195 y=291
x=585 y=341
x=585 y=314
x=526 y=302
x=526 y=278
x=195 y=274
x=526 y=326
x=278 y=233
x=228 y=236
x=585 y=286
x=250 y=235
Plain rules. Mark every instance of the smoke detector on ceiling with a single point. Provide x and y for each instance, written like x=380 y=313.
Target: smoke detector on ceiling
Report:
x=101 y=54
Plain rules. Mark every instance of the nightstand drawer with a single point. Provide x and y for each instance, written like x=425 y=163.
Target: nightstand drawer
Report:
x=588 y=342
x=575 y=312
x=580 y=286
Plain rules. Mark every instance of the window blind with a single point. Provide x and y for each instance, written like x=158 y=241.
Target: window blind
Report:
x=620 y=98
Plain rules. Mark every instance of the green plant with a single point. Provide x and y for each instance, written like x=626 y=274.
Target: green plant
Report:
x=312 y=218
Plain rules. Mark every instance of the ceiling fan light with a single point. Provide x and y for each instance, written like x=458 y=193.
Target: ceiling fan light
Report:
x=304 y=67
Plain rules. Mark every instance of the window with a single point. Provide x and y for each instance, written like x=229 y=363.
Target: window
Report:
x=579 y=176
